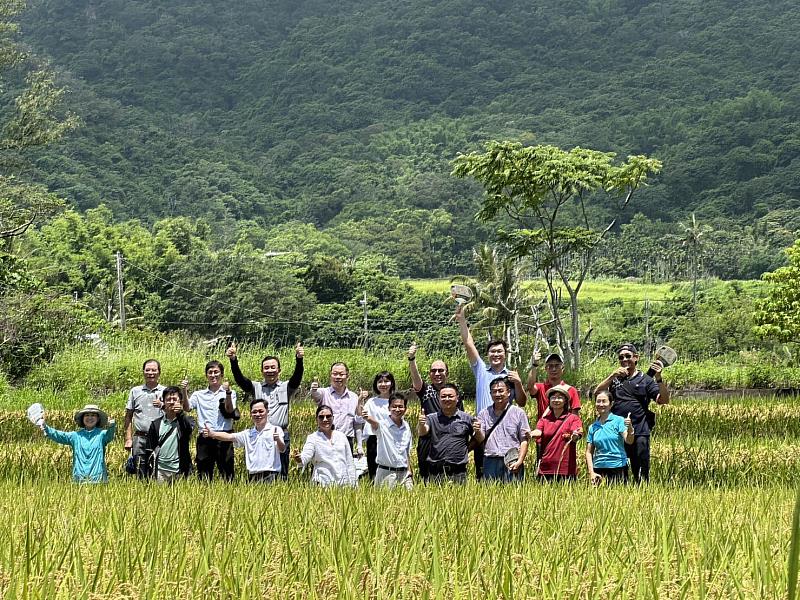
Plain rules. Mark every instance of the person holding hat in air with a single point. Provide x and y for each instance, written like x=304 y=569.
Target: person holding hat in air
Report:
x=554 y=372
x=88 y=443
x=632 y=391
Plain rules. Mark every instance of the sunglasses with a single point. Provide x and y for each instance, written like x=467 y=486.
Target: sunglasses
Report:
x=438 y=370
x=325 y=417
x=625 y=356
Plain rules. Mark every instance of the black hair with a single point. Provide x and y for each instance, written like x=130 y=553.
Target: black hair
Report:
x=275 y=358
x=344 y=364
x=255 y=401
x=172 y=389
x=398 y=396
x=151 y=360
x=504 y=380
x=215 y=363
x=451 y=386
x=383 y=375
x=497 y=342
x=322 y=407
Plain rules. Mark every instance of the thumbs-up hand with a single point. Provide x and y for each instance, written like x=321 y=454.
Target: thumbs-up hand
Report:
x=314 y=385
x=628 y=422
x=362 y=395
x=476 y=425
x=275 y=435
x=206 y=430
x=231 y=351
x=226 y=386
x=299 y=352
x=412 y=351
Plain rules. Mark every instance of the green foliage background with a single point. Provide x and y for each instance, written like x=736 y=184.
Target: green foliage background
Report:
x=345 y=115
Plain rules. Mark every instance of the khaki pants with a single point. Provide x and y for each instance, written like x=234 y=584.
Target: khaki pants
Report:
x=387 y=478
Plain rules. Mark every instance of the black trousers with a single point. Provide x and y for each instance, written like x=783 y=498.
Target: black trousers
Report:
x=285 y=457
x=423 y=448
x=372 y=456
x=213 y=452
x=639 y=454
x=478 y=458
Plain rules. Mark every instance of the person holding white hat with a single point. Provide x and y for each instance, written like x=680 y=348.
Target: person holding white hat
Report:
x=88 y=443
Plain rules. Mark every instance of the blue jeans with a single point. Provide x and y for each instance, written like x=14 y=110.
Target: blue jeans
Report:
x=494 y=469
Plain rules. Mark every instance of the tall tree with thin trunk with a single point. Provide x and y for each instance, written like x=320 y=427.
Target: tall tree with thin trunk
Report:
x=535 y=187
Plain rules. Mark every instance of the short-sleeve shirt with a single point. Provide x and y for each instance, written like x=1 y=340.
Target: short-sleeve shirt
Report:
x=510 y=433
x=140 y=401
x=558 y=456
x=207 y=404
x=394 y=443
x=277 y=399
x=483 y=378
x=450 y=437
x=378 y=408
x=609 y=447
x=633 y=395
x=343 y=407
x=260 y=450
x=168 y=458
x=540 y=391
x=429 y=399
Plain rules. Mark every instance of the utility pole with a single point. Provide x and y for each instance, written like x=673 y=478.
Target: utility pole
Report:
x=120 y=292
x=364 y=304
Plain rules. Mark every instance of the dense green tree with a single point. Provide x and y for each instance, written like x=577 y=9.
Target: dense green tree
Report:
x=778 y=315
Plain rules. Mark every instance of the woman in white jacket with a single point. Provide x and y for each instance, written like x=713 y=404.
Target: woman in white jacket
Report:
x=329 y=452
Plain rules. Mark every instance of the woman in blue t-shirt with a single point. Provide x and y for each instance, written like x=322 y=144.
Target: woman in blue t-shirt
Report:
x=605 y=443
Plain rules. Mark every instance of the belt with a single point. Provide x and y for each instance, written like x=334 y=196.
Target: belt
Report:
x=447 y=468
x=394 y=469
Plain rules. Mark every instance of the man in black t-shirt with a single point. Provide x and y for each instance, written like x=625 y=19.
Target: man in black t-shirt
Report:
x=633 y=391
x=428 y=394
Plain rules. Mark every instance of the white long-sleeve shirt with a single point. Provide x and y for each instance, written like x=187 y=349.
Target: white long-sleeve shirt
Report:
x=332 y=459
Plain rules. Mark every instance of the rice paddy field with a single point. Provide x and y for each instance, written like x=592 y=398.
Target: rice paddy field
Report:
x=715 y=521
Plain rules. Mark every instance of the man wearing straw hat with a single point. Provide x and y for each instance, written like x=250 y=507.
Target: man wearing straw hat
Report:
x=143 y=407
x=88 y=443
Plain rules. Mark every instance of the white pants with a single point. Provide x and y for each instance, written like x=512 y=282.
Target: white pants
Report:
x=392 y=479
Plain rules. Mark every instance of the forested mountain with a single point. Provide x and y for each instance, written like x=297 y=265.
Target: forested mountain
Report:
x=346 y=114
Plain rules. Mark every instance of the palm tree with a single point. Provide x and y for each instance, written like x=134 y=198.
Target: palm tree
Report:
x=693 y=242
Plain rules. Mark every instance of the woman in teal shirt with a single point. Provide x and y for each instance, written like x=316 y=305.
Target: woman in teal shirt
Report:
x=88 y=443
x=605 y=443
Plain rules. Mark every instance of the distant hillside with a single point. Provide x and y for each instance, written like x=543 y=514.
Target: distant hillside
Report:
x=346 y=114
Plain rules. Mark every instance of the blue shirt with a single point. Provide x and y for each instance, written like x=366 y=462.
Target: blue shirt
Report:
x=609 y=447
x=483 y=377
x=88 y=451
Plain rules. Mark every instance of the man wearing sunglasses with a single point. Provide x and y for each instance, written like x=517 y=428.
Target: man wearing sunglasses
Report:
x=428 y=394
x=633 y=391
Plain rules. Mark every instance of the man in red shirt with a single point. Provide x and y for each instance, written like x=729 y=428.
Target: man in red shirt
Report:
x=554 y=368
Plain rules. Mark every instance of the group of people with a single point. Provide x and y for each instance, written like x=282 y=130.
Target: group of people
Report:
x=158 y=427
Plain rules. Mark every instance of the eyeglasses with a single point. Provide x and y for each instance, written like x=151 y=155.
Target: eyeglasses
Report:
x=325 y=417
x=438 y=370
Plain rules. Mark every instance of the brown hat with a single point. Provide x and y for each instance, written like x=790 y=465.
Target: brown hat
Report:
x=561 y=389
x=102 y=418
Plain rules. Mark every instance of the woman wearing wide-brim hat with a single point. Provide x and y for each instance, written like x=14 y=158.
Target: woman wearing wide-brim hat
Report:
x=88 y=443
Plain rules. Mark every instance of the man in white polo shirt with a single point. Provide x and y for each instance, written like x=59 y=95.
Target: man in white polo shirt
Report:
x=262 y=443
x=216 y=407
x=394 y=445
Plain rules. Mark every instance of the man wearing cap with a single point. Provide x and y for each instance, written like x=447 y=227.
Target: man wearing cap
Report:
x=428 y=394
x=275 y=393
x=554 y=369
x=506 y=433
x=88 y=443
x=496 y=351
x=633 y=391
x=143 y=407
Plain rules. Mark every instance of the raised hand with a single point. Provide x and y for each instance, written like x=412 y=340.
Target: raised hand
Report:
x=231 y=351
x=362 y=395
x=299 y=352
x=275 y=435
x=621 y=373
x=513 y=376
x=628 y=422
x=226 y=386
x=412 y=351
x=314 y=385
x=476 y=425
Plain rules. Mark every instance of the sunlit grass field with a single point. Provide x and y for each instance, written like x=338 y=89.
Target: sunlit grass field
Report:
x=713 y=523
